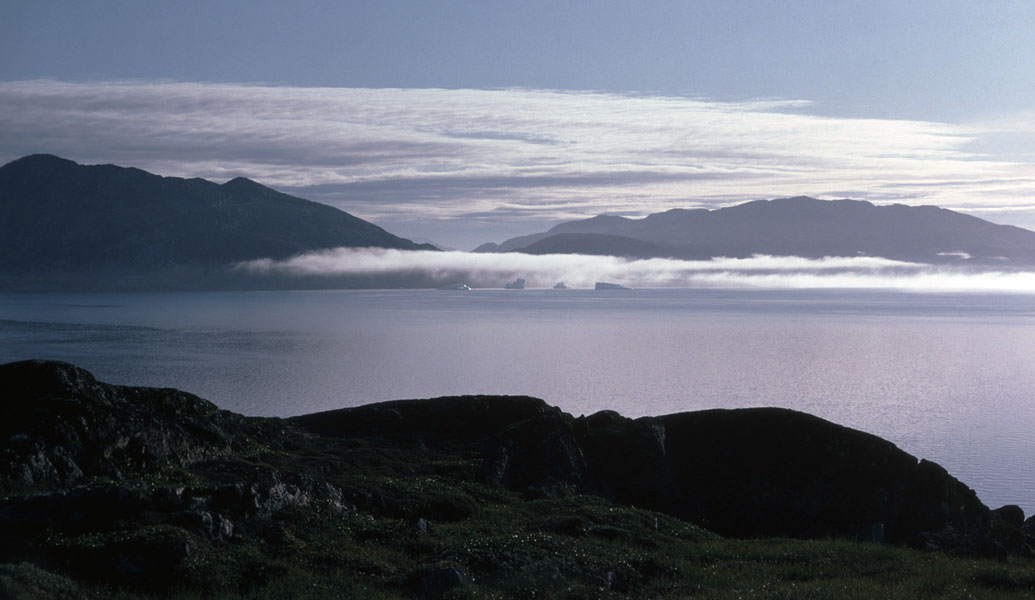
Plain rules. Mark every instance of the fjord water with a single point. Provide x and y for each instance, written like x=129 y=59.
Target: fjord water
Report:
x=948 y=377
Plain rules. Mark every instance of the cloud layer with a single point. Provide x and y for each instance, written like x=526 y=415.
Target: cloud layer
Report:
x=397 y=155
x=580 y=271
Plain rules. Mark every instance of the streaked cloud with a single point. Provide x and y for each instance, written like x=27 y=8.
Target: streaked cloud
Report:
x=580 y=271
x=391 y=154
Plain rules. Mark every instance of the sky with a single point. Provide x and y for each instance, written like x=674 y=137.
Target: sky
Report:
x=467 y=122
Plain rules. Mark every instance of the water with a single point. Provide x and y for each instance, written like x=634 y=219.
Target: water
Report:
x=948 y=377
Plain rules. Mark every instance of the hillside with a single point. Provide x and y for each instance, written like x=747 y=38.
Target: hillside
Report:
x=65 y=224
x=115 y=491
x=798 y=226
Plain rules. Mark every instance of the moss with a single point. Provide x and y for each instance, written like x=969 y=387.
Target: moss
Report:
x=29 y=582
x=526 y=549
x=377 y=518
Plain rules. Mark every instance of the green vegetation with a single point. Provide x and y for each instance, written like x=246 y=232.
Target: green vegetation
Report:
x=114 y=492
x=425 y=526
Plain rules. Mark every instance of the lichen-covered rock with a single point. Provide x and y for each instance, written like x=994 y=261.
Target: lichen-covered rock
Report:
x=60 y=425
x=213 y=526
x=541 y=454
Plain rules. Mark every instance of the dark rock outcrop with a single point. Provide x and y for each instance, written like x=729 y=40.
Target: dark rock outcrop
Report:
x=117 y=484
x=742 y=473
x=443 y=423
x=60 y=425
x=764 y=472
x=1007 y=531
x=78 y=457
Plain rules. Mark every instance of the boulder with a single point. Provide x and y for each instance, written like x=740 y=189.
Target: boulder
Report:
x=539 y=454
x=775 y=472
x=627 y=460
x=1006 y=528
x=61 y=426
x=439 y=423
x=743 y=473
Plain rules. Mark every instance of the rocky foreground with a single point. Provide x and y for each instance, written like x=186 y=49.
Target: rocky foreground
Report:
x=142 y=491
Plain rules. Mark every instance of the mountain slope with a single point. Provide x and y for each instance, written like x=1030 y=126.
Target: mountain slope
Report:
x=595 y=243
x=798 y=226
x=58 y=217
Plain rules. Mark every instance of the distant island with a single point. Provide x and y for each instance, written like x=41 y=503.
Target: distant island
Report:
x=143 y=491
x=69 y=226
x=799 y=226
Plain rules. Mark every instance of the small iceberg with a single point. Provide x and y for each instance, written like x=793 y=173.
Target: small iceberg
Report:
x=560 y=286
x=603 y=285
x=456 y=286
x=517 y=284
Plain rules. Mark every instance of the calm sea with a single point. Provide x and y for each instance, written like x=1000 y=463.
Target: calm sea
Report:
x=948 y=377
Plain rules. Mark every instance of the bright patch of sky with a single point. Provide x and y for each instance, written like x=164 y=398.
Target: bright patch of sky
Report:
x=466 y=122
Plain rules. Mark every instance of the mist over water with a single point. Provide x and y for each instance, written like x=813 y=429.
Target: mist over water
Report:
x=948 y=377
x=760 y=271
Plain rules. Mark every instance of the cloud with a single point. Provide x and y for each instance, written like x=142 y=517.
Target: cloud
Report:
x=388 y=154
x=774 y=272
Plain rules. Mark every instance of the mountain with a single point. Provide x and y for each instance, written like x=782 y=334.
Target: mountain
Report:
x=799 y=226
x=65 y=222
x=595 y=243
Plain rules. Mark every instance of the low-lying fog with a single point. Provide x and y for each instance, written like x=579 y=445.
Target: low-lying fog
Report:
x=577 y=271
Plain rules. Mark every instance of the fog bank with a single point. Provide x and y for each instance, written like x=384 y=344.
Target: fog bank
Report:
x=582 y=271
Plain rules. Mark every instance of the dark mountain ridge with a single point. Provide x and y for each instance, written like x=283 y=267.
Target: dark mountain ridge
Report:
x=62 y=221
x=799 y=226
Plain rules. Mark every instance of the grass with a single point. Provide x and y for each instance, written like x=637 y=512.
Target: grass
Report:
x=579 y=547
x=418 y=514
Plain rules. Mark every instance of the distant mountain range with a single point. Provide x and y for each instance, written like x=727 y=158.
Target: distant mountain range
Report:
x=66 y=225
x=799 y=226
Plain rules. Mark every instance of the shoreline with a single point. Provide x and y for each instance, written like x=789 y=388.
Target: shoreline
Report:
x=160 y=478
